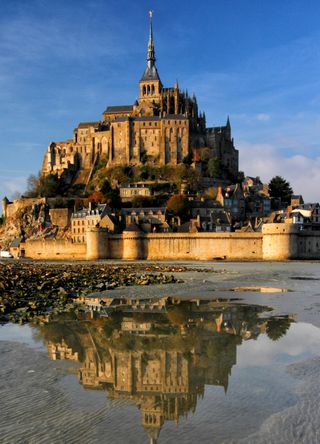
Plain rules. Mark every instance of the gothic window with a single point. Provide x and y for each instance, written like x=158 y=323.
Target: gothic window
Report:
x=144 y=90
x=152 y=89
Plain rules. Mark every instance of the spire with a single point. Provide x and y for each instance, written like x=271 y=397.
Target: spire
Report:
x=150 y=73
x=151 y=54
x=228 y=123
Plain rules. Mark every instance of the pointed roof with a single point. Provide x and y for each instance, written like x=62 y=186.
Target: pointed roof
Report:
x=150 y=73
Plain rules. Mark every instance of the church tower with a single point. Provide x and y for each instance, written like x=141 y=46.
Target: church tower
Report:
x=150 y=83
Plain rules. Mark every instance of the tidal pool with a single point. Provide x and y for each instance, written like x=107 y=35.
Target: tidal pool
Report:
x=162 y=370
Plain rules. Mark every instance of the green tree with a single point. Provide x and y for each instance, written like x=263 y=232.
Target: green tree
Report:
x=213 y=167
x=279 y=188
x=277 y=328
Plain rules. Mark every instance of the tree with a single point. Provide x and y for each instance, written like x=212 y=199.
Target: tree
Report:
x=96 y=197
x=179 y=206
x=44 y=186
x=279 y=188
x=50 y=186
x=178 y=315
x=33 y=185
x=142 y=202
x=204 y=154
x=213 y=167
x=277 y=328
x=188 y=159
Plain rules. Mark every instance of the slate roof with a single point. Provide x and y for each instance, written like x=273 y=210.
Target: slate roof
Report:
x=16 y=242
x=150 y=73
x=119 y=109
x=88 y=124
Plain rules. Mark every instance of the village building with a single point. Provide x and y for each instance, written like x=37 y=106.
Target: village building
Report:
x=83 y=220
x=129 y=191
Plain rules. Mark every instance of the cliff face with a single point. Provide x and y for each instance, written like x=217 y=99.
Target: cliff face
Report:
x=30 y=220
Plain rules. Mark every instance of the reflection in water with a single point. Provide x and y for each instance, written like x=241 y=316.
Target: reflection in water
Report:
x=158 y=353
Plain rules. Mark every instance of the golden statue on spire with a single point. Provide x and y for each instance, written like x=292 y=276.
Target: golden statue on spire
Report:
x=150 y=13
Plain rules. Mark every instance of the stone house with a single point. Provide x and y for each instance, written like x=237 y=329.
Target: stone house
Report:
x=87 y=218
x=149 y=220
x=130 y=190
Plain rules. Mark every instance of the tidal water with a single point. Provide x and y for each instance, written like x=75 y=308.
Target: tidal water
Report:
x=166 y=370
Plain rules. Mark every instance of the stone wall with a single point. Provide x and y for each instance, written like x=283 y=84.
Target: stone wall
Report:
x=288 y=241
x=185 y=246
x=24 y=202
x=60 y=216
x=276 y=242
x=53 y=249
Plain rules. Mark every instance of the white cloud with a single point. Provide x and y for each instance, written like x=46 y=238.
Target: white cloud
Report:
x=266 y=160
x=263 y=117
x=264 y=350
x=11 y=184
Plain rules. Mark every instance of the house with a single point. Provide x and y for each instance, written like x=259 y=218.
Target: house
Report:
x=232 y=199
x=15 y=247
x=87 y=218
x=300 y=216
x=149 y=220
x=130 y=190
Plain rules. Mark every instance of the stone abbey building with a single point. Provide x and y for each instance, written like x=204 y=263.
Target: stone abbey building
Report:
x=162 y=127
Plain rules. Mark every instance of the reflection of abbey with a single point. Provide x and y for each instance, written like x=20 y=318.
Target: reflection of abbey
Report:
x=162 y=127
x=159 y=357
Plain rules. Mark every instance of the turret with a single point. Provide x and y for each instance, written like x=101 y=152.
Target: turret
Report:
x=5 y=202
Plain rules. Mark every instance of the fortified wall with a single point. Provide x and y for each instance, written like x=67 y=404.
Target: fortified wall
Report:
x=276 y=242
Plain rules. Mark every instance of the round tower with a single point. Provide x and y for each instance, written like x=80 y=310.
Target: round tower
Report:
x=280 y=241
x=133 y=244
x=97 y=244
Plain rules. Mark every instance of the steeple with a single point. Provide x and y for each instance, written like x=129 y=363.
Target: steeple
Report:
x=151 y=58
x=150 y=72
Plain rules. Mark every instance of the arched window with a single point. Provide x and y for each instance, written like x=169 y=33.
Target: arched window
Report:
x=152 y=89
x=144 y=90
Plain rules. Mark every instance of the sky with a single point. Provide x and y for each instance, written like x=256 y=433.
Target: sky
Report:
x=65 y=61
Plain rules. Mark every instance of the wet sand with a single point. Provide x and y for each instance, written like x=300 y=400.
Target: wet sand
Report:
x=42 y=402
x=302 y=279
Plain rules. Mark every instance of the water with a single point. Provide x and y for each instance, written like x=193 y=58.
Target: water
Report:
x=188 y=371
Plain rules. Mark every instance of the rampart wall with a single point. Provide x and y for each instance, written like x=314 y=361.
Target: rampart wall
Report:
x=276 y=242
x=184 y=246
x=53 y=249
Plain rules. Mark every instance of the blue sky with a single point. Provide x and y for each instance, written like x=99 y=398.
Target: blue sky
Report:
x=62 y=62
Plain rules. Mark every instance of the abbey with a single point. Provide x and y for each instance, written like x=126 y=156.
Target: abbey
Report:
x=163 y=127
